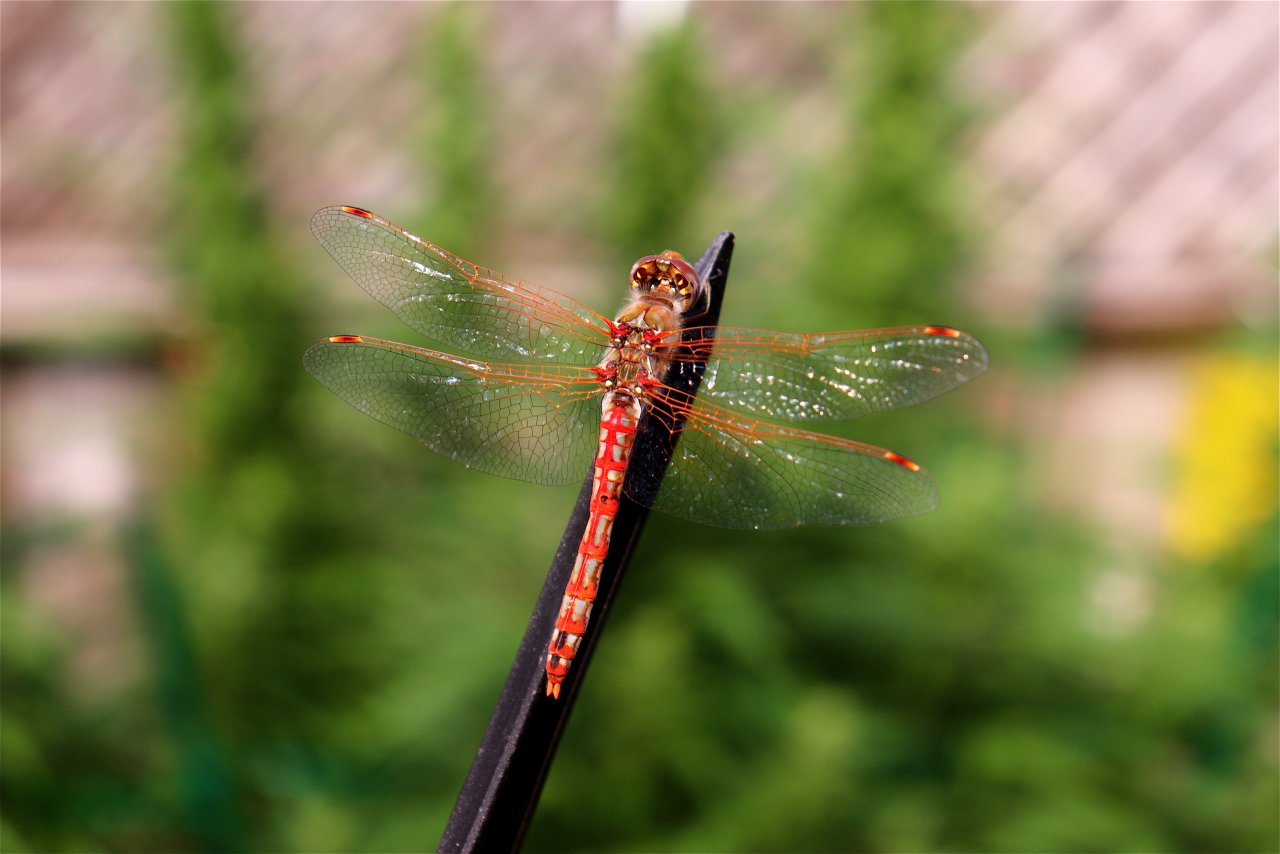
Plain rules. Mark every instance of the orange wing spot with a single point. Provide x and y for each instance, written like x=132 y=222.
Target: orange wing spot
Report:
x=945 y=331
x=553 y=689
x=357 y=211
x=902 y=461
x=345 y=339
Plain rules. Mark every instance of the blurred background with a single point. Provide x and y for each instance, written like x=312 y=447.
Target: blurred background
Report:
x=238 y=615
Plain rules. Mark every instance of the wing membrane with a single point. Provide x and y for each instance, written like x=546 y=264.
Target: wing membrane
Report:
x=837 y=376
x=734 y=473
x=457 y=305
x=537 y=423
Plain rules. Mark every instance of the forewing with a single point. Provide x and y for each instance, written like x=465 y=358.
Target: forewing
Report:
x=837 y=376
x=537 y=423
x=735 y=473
x=457 y=305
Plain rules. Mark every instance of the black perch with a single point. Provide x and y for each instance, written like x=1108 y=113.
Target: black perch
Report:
x=497 y=801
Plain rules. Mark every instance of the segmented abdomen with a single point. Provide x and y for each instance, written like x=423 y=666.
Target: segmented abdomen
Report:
x=617 y=430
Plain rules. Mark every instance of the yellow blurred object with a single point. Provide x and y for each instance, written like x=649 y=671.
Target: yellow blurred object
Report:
x=1225 y=479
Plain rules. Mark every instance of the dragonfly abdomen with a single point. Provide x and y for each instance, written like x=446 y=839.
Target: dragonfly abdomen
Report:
x=617 y=430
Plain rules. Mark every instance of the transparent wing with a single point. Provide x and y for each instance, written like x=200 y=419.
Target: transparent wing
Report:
x=735 y=473
x=537 y=423
x=834 y=377
x=454 y=303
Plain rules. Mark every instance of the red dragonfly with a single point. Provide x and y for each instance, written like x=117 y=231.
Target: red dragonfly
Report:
x=531 y=384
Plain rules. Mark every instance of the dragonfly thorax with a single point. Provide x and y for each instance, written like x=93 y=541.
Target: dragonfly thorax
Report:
x=630 y=366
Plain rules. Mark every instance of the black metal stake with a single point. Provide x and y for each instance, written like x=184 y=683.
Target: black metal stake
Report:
x=497 y=801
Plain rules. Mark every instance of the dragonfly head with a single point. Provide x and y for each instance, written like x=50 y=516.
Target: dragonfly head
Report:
x=671 y=278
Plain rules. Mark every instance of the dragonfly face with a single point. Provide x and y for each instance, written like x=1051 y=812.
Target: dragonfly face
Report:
x=666 y=291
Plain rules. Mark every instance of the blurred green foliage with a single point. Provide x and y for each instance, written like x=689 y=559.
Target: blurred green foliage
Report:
x=328 y=629
x=666 y=141
x=896 y=180
x=458 y=135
